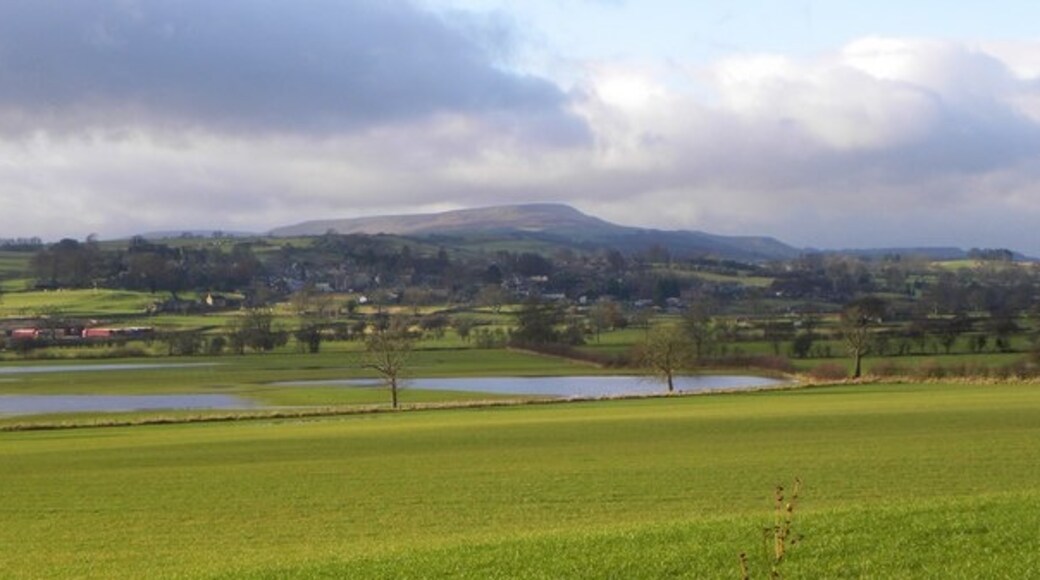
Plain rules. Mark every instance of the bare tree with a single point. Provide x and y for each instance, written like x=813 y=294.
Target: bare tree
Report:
x=387 y=352
x=858 y=318
x=665 y=351
x=309 y=301
x=700 y=328
x=605 y=315
x=492 y=296
x=256 y=329
x=463 y=326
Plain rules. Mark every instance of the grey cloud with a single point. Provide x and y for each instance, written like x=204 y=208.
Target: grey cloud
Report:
x=818 y=153
x=245 y=65
x=822 y=154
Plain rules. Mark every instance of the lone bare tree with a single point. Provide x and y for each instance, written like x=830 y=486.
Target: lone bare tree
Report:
x=857 y=321
x=387 y=352
x=665 y=351
x=700 y=328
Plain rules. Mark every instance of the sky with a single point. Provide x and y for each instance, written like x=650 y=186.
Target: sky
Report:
x=826 y=124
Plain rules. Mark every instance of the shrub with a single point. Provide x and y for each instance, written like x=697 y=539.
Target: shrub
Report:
x=488 y=338
x=216 y=345
x=745 y=361
x=829 y=372
x=1016 y=369
x=122 y=352
x=568 y=351
x=930 y=370
x=887 y=368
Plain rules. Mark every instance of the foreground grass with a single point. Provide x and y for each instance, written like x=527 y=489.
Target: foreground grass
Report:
x=909 y=541
x=901 y=481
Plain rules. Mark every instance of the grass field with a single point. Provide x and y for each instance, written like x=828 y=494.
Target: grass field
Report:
x=77 y=302
x=14 y=264
x=901 y=481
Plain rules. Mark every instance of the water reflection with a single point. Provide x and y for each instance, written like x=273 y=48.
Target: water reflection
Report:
x=579 y=386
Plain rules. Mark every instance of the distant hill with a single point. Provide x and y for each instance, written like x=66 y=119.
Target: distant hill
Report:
x=557 y=223
x=536 y=217
x=551 y=225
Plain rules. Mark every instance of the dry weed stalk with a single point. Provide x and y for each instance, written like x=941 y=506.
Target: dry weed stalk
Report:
x=745 y=572
x=782 y=525
x=778 y=538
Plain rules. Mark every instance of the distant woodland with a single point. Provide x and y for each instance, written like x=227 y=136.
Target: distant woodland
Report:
x=427 y=271
x=808 y=307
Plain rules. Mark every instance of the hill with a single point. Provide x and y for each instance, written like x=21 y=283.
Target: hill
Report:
x=555 y=223
x=543 y=217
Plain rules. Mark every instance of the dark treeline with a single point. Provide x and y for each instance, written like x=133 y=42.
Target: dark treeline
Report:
x=817 y=306
x=395 y=270
x=21 y=244
x=146 y=266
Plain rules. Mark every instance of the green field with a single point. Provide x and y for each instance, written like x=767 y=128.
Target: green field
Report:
x=901 y=481
x=14 y=264
x=77 y=302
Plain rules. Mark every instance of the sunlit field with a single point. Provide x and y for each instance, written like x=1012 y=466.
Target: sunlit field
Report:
x=899 y=481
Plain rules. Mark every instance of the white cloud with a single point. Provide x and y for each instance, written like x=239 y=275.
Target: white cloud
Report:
x=885 y=142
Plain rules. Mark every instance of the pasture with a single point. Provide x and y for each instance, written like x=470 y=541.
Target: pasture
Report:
x=901 y=481
x=86 y=303
x=13 y=264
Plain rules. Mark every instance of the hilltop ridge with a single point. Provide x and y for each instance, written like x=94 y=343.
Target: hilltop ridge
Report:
x=528 y=217
x=557 y=222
